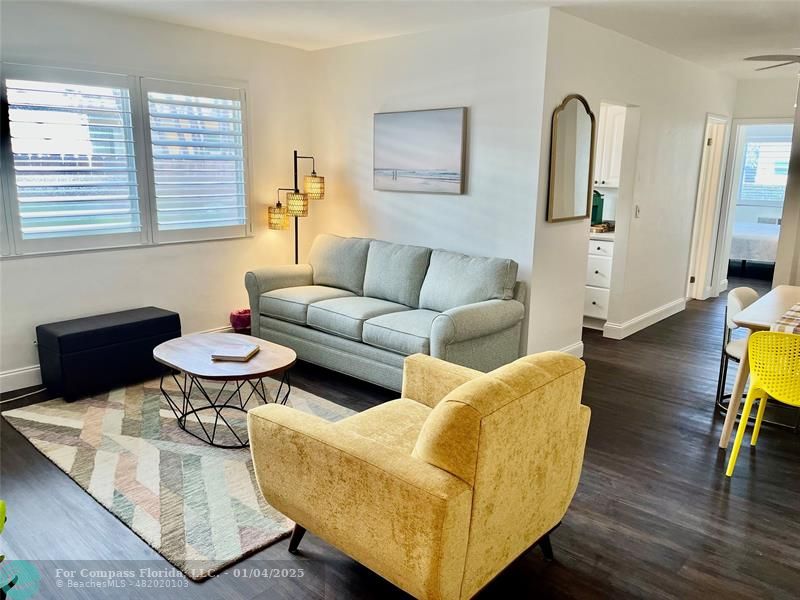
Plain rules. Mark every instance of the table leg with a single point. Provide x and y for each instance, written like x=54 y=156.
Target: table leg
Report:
x=736 y=399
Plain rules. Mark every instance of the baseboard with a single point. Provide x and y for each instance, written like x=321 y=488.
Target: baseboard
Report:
x=592 y=323
x=575 y=349
x=722 y=286
x=618 y=331
x=15 y=379
x=223 y=329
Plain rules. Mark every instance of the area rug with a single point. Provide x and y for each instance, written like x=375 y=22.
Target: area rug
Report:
x=196 y=505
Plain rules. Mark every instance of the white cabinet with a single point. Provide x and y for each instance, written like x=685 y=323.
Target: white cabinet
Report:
x=598 y=277
x=608 y=145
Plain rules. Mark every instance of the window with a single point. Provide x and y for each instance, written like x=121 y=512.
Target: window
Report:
x=197 y=153
x=96 y=160
x=71 y=160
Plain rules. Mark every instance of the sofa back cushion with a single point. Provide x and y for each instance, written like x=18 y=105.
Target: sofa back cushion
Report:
x=395 y=272
x=339 y=262
x=455 y=279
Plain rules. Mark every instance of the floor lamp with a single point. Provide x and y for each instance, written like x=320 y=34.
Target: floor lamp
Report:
x=297 y=202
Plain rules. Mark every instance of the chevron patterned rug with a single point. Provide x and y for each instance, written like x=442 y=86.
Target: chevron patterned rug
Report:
x=196 y=505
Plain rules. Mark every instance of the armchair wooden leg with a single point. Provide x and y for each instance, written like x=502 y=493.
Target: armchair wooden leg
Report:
x=297 y=534
x=547 y=548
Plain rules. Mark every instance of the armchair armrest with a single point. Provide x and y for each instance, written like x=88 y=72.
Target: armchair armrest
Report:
x=360 y=495
x=427 y=380
x=474 y=320
x=265 y=279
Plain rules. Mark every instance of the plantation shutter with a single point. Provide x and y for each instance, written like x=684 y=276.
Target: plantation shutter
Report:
x=74 y=177
x=197 y=153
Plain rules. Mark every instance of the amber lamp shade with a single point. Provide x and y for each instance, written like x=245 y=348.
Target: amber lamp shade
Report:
x=278 y=217
x=314 y=186
x=297 y=204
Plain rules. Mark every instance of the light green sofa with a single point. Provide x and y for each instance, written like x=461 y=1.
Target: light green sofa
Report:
x=361 y=306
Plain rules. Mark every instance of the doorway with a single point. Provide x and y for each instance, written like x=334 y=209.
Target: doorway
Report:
x=750 y=226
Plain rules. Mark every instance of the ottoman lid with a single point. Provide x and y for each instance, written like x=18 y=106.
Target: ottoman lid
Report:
x=103 y=330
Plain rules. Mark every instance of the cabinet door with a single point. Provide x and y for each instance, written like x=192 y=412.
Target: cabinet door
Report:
x=615 y=131
x=598 y=144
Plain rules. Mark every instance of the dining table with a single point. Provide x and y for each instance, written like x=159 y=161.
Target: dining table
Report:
x=759 y=316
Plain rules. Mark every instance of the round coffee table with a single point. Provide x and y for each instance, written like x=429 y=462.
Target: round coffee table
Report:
x=241 y=382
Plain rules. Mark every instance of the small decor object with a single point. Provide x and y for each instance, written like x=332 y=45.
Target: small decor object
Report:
x=597 y=207
x=571 y=160
x=240 y=320
x=235 y=352
x=420 y=151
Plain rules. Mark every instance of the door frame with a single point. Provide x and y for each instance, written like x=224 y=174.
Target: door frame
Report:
x=728 y=208
x=701 y=282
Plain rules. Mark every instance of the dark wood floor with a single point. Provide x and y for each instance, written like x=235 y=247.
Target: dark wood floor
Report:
x=654 y=516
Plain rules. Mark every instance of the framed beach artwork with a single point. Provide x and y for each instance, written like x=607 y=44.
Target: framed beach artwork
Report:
x=420 y=151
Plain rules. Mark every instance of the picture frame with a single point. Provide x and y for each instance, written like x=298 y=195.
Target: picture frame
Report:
x=420 y=151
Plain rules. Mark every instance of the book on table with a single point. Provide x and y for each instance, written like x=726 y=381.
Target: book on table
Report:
x=238 y=352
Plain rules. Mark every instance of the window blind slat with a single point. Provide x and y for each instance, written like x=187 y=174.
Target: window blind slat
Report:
x=73 y=155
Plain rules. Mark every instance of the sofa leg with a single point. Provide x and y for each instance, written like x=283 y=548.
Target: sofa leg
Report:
x=547 y=548
x=297 y=534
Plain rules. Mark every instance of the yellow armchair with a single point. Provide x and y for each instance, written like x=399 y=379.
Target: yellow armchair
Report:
x=440 y=490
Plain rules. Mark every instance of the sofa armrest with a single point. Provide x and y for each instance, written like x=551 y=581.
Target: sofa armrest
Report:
x=266 y=279
x=360 y=496
x=428 y=380
x=475 y=320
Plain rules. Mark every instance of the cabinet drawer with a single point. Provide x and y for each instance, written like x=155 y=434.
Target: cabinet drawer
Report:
x=595 y=302
x=598 y=271
x=601 y=248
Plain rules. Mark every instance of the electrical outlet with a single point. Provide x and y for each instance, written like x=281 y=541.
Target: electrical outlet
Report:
x=636 y=211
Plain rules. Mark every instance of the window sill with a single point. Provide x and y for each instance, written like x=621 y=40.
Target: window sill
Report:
x=121 y=248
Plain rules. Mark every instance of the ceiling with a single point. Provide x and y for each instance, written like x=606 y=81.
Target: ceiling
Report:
x=714 y=33
x=313 y=25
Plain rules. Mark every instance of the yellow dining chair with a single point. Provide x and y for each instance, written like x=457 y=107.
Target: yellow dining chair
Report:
x=774 y=373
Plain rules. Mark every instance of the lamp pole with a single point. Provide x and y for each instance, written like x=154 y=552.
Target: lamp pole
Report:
x=296 y=221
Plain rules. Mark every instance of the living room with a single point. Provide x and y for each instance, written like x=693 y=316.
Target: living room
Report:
x=301 y=91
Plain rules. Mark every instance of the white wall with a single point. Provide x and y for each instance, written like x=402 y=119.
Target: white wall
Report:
x=674 y=97
x=496 y=68
x=765 y=98
x=787 y=264
x=202 y=281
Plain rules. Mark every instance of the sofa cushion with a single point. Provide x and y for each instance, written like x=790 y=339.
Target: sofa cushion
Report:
x=395 y=424
x=405 y=333
x=457 y=279
x=395 y=272
x=339 y=262
x=291 y=304
x=346 y=316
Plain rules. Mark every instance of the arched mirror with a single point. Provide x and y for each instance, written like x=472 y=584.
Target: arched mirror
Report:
x=571 y=160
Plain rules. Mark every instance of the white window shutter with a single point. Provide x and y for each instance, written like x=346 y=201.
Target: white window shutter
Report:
x=196 y=140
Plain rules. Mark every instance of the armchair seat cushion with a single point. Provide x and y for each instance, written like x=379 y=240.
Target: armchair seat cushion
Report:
x=291 y=303
x=346 y=316
x=406 y=333
x=395 y=424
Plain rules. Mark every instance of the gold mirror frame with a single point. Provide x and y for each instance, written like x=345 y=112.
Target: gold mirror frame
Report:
x=553 y=146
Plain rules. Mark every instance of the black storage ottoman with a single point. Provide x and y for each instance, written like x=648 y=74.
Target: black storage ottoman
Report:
x=82 y=357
